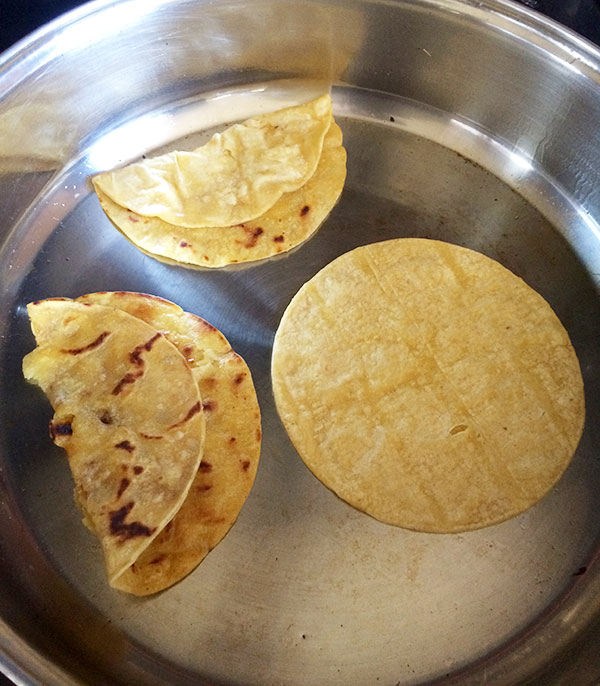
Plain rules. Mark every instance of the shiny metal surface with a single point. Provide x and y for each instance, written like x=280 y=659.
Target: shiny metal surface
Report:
x=472 y=122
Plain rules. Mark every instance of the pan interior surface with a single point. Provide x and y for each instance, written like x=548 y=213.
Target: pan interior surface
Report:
x=304 y=589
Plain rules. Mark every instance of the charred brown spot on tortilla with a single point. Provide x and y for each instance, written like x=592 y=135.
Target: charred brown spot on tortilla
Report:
x=205 y=467
x=187 y=350
x=209 y=405
x=232 y=439
x=278 y=239
x=90 y=346
x=238 y=378
x=304 y=210
x=124 y=531
x=122 y=487
x=203 y=325
x=185 y=244
x=214 y=520
x=137 y=469
x=129 y=378
x=60 y=429
x=258 y=434
x=105 y=417
x=133 y=218
x=150 y=437
x=158 y=559
x=57 y=299
x=245 y=465
x=135 y=356
x=201 y=488
x=253 y=236
x=125 y=445
x=191 y=412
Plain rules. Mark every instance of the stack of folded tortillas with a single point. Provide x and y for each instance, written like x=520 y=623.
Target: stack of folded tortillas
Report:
x=160 y=422
x=257 y=189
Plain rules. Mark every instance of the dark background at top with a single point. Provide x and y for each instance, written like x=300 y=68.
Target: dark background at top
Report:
x=20 y=17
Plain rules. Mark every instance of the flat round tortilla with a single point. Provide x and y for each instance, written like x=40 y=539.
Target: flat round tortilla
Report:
x=428 y=386
x=288 y=223
x=231 y=450
x=129 y=415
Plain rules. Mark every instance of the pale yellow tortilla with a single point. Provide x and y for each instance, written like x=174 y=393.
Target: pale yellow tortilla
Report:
x=231 y=450
x=290 y=222
x=428 y=386
x=237 y=176
x=129 y=415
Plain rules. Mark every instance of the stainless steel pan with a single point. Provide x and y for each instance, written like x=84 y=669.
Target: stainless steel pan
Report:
x=472 y=122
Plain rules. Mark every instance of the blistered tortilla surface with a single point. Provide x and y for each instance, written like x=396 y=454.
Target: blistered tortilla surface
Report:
x=231 y=451
x=293 y=219
x=237 y=176
x=129 y=415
